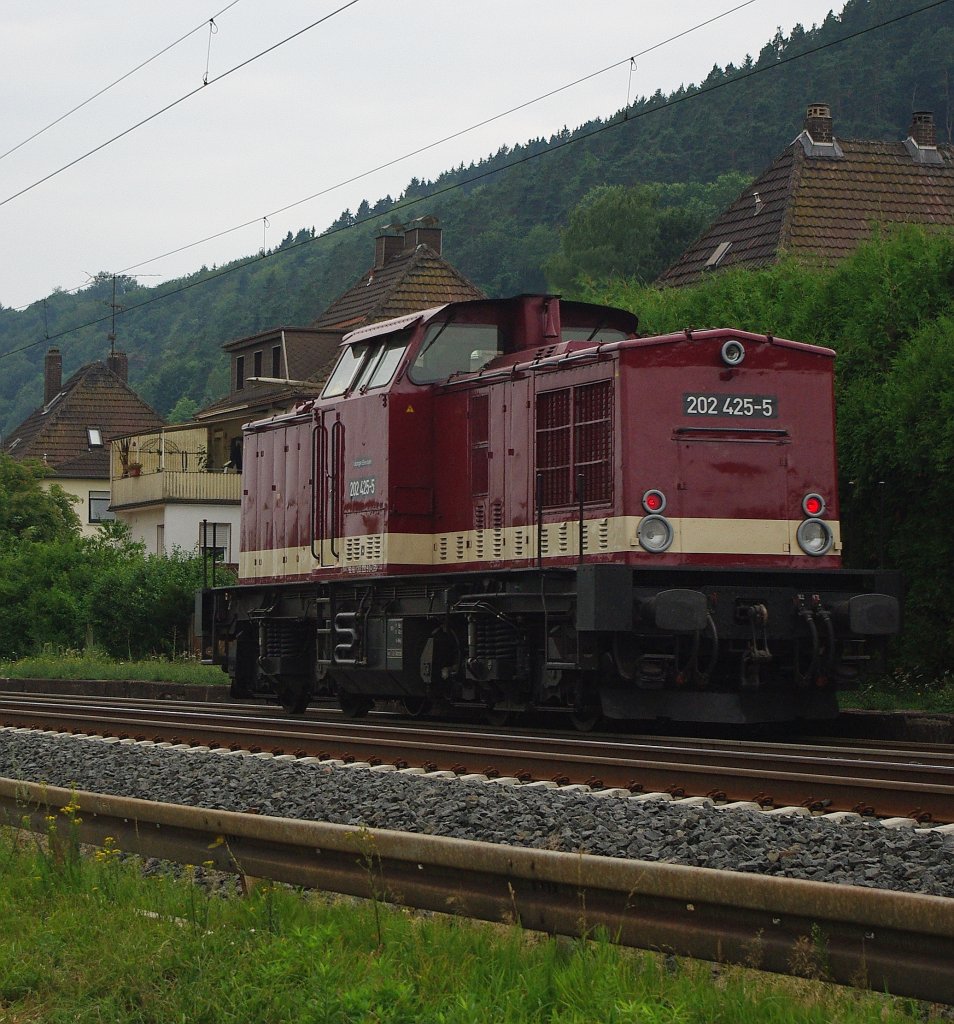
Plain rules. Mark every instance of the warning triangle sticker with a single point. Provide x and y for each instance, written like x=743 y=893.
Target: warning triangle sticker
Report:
x=410 y=408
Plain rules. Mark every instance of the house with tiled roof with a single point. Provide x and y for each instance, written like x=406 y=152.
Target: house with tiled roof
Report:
x=70 y=433
x=409 y=273
x=189 y=490
x=824 y=195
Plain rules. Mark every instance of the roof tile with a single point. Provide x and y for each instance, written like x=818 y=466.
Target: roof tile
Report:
x=823 y=207
x=57 y=433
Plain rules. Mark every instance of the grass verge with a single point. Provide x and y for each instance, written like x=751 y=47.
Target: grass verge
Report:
x=904 y=691
x=88 y=939
x=92 y=664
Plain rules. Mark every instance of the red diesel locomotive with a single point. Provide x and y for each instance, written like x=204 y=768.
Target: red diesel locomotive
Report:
x=522 y=506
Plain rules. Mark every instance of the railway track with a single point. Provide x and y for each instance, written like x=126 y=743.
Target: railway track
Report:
x=901 y=783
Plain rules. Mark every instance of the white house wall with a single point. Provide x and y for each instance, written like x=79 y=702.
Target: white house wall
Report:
x=80 y=489
x=180 y=526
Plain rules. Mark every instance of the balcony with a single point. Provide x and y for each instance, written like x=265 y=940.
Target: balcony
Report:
x=172 y=465
x=170 y=485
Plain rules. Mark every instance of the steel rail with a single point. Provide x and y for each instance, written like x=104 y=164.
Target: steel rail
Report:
x=772 y=777
x=868 y=938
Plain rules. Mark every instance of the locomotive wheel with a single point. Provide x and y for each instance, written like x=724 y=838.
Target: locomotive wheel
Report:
x=586 y=719
x=497 y=717
x=294 y=703
x=354 y=705
x=415 y=707
x=294 y=699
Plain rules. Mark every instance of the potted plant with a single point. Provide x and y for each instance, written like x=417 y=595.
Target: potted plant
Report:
x=133 y=468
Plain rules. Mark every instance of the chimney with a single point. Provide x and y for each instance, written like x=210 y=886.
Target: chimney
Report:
x=118 y=362
x=52 y=375
x=818 y=122
x=423 y=231
x=387 y=244
x=922 y=128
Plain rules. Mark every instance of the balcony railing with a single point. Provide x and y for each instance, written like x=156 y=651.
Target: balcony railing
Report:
x=171 y=485
x=173 y=464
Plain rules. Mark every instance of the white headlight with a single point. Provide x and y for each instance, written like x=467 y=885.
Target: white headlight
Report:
x=655 y=533
x=733 y=352
x=815 y=537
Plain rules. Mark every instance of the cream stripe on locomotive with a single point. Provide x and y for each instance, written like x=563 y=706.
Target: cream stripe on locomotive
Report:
x=613 y=535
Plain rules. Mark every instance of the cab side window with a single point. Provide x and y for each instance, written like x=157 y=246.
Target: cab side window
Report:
x=449 y=349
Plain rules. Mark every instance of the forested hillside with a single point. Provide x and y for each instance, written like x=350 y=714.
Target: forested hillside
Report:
x=502 y=216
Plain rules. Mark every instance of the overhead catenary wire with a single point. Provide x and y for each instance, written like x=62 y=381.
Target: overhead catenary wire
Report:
x=429 y=146
x=611 y=125
x=177 y=102
x=447 y=138
x=118 y=81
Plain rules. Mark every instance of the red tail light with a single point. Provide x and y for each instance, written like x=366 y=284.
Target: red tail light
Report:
x=813 y=505
x=654 y=501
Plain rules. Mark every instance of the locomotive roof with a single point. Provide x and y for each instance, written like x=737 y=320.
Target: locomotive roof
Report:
x=626 y=320
x=396 y=323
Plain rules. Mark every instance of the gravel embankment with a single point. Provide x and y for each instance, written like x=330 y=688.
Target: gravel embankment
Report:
x=855 y=853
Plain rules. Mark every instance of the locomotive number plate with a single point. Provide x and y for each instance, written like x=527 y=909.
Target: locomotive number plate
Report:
x=762 y=407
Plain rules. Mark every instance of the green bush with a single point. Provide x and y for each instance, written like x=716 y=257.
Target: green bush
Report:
x=62 y=590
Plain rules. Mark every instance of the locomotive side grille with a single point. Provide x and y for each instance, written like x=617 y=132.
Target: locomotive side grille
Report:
x=602 y=534
x=442 y=548
x=480 y=522
x=574 y=436
x=553 y=446
x=496 y=523
x=519 y=544
x=563 y=537
x=460 y=546
x=593 y=440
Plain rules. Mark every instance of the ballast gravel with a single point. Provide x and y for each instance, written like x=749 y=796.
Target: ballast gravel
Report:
x=854 y=852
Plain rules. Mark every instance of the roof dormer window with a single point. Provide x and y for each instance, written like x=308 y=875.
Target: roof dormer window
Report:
x=95 y=437
x=718 y=255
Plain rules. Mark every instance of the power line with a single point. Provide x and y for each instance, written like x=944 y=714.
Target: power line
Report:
x=527 y=158
x=429 y=146
x=175 y=103
x=441 y=141
x=122 y=78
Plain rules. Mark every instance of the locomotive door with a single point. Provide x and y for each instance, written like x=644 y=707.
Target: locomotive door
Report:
x=734 y=491
x=487 y=443
x=327 y=450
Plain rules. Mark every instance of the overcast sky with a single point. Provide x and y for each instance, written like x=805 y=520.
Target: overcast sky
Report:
x=371 y=83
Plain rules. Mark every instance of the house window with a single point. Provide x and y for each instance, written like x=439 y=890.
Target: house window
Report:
x=277 y=361
x=239 y=373
x=161 y=539
x=99 y=510
x=257 y=364
x=215 y=541
x=95 y=437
